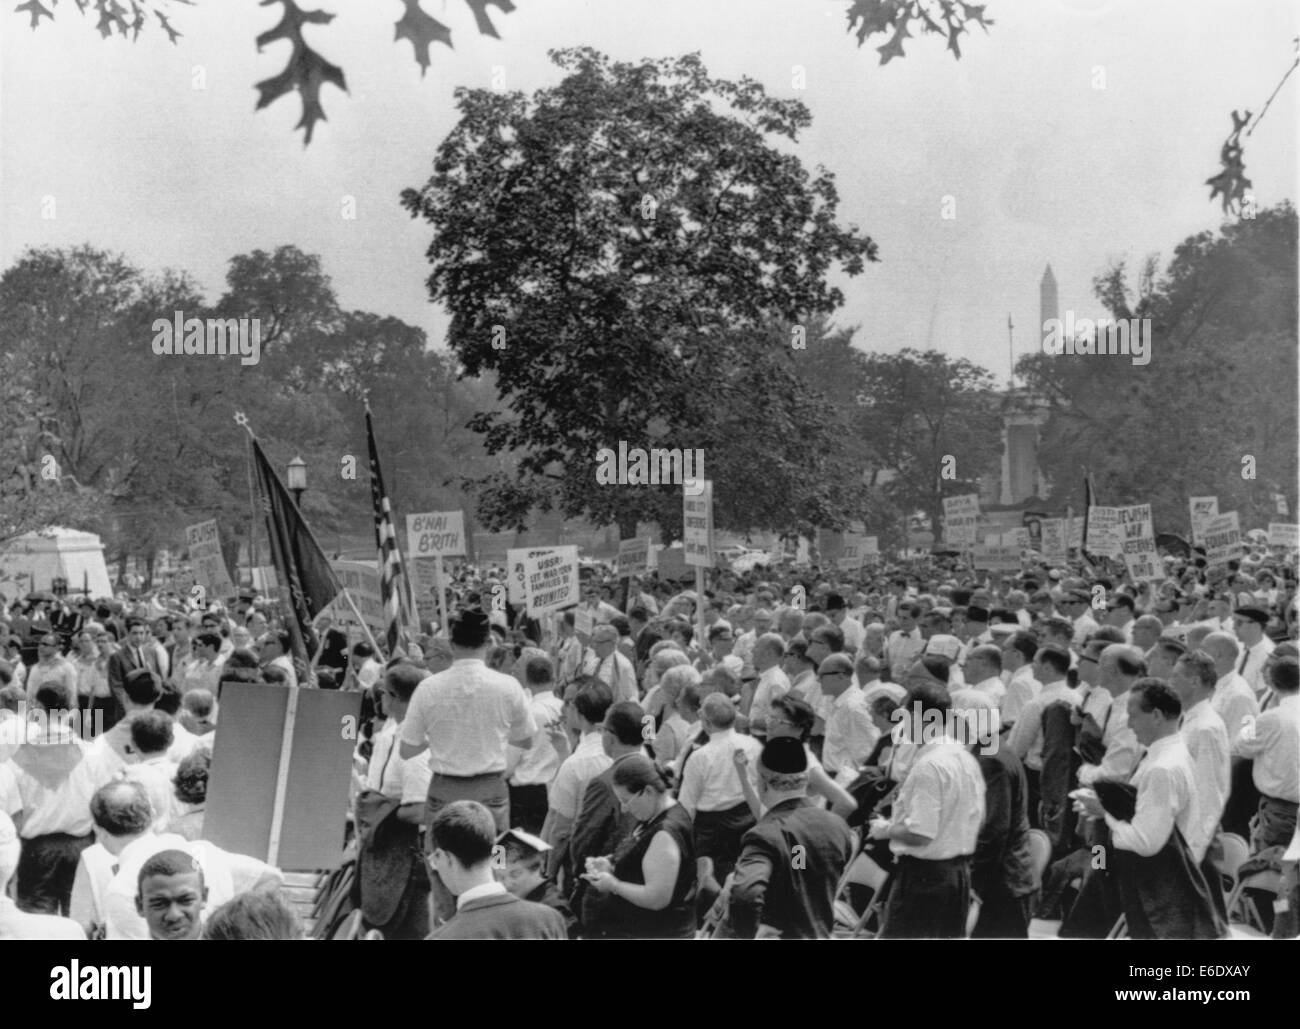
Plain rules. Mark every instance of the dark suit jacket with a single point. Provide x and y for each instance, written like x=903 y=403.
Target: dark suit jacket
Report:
x=123 y=662
x=788 y=889
x=502 y=917
x=600 y=827
x=1002 y=856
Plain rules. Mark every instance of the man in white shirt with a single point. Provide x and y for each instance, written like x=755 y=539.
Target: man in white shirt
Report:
x=1162 y=898
x=1273 y=741
x=202 y=669
x=1119 y=668
x=772 y=684
x=851 y=734
x=141 y=689
x=53 y=667
x=984 y=672
x=16 y=924
x=567 y=651
x=1119 y=613
x=854 y=633
x=1018 y=665
x=761 y=622
x=529 y=772
x=905 y=643
x=1206 y=740
x=275 y=654
x=1256 y=647
x=465 y=717
x=56 y=773
x=149 y=765
x=1051 y=665
x=610 y=666
x=1078 y=608
x=588 y=701
x=933 y=828
x=711 y=791
x=1233 y=699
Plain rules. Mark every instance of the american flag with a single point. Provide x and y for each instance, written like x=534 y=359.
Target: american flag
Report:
x=392 y=575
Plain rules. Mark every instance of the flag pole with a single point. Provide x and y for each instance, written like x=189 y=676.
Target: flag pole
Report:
x=364 y=627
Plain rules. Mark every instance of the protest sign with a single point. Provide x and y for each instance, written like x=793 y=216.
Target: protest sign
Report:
x=996 y=558
x=1223 y=539
x=1202 y=510
x=960 y=518
x=516 y=588
x=204 y=544
x=1282 y=534
x=551 y=580
x=697 y=525
x=1139 y=543
x=852 y=554
x=1104 y=538
x=280 y=764
x=361 y=580
x=1054 y=548
x=437 y=532
x=424 y=584
x=633 y=557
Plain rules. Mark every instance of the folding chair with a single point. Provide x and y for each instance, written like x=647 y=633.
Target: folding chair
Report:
x=973 y=914
x=1233 y=853
x=1266 y=881
x=1040 y=852
x=862 y=871
x=1119 y=931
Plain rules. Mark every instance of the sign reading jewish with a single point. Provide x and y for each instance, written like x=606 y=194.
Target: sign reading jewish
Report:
x=1139 y=544
x=204 y=544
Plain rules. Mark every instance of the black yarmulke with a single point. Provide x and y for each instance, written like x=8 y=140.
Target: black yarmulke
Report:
x=784 y=755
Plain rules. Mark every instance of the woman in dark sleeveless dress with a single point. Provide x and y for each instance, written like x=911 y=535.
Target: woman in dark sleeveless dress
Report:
x=649 y=884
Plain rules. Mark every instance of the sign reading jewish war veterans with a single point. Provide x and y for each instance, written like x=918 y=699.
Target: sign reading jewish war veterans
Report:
x=204 y=544
x=1223 y=539
x=1139 y=544
x=633 y=557
x=1104 y=539
x=697 y=525
x=1202 y=510
x=996 y=558
x=960 y=519
x=1054 y=545
x=1282 y=534
x=551 y=580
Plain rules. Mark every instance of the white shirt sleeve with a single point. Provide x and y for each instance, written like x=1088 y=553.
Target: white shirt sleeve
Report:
x=1153 y=821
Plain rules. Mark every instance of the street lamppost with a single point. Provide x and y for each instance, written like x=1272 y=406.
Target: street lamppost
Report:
x=298 y=479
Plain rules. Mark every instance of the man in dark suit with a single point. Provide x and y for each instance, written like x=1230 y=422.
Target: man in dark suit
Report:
x=136 y=652
x=791 y=861
x=463 y=835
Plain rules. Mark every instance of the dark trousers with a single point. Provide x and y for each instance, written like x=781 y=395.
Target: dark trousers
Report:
x=1033 y=778
x=927 y=899
x=1002 y=915
x=717 y=836
x=46 y=868
x=491 y=791
x=528 y=807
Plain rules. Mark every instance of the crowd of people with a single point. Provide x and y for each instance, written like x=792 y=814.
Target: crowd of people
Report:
x=896 y=752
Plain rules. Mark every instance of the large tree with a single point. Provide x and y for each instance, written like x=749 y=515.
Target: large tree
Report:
x=616 y=250
x=1219 y=388
x=931 y=423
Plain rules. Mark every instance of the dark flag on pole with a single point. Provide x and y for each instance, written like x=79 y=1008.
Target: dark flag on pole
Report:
x=392 y=575
x=298 y=558
x=1089 y=500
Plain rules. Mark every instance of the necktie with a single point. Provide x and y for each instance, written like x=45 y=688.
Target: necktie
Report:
x=1245 y=656
x=139 y=657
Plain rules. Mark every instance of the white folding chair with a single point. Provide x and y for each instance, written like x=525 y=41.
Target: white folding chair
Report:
x=862 y=871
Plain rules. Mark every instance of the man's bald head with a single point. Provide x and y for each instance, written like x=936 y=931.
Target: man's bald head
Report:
x=1223 y=648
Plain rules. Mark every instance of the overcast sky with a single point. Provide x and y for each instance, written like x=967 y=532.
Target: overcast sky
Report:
x=1042 y=165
